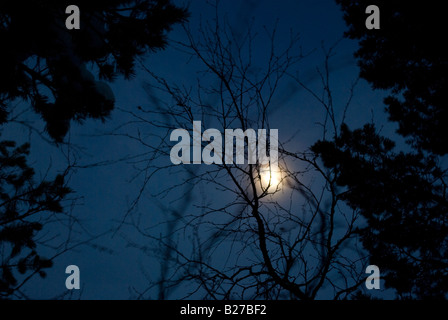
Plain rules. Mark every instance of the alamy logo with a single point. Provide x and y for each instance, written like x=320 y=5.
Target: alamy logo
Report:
x=373 y=20
x=373 y=280
x=72 y=281
x=234 y=151
x=72 y=21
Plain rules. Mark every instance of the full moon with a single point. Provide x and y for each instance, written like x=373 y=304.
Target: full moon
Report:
x=270 y=178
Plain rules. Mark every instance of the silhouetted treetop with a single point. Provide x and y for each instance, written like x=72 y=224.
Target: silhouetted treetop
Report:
x=25 y=206
x=407 y=55
x=43 y=62
x=403 y=198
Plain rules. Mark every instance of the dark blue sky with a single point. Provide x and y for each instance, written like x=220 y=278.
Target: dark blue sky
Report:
x=105 y=192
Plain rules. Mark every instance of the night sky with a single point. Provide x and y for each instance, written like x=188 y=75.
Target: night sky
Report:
x=106 y=180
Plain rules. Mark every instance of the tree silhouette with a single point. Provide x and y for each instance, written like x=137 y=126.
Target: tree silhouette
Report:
x=52 y=68
x=394 y=201
x=25 y=206
x=403 y=198
x=407 y=56
x=401 y=194
x=46 y=64
x=244 y=237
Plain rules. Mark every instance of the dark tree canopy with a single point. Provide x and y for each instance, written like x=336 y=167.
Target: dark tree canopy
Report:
x=43 y=62
x=24 y=207
x=46 y=65
x=403 y=198
x=409 y=56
